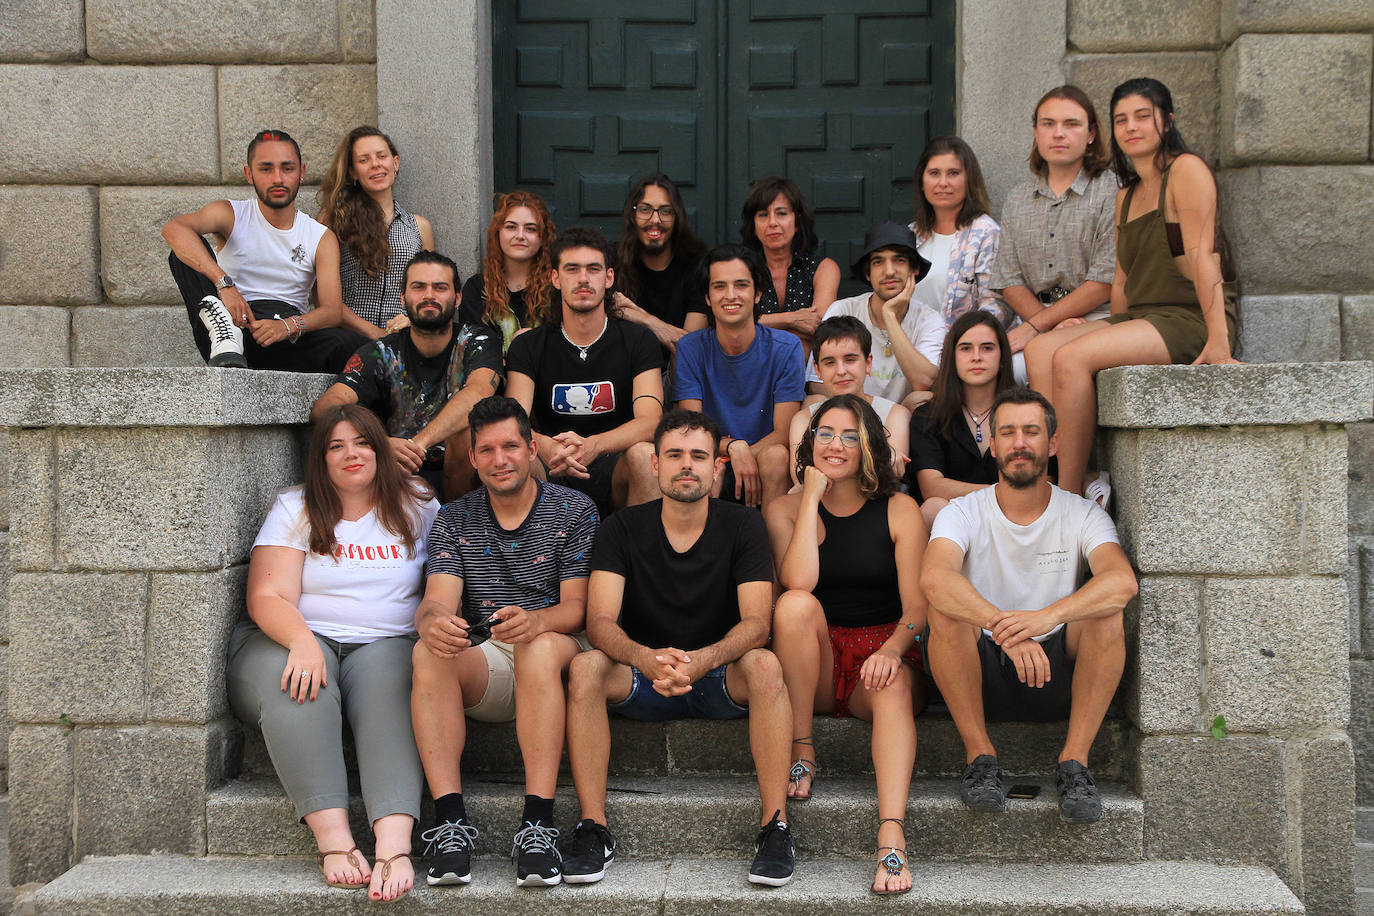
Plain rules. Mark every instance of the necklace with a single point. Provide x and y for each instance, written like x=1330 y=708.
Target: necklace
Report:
x=887 y=342
x=581 y=350
x=978 y=421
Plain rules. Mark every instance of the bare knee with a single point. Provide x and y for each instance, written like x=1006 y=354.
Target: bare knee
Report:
x=762 y=672
x=540 y=656
x=587 y=675
x=795 y=612
x=429 y=670
x=931 y=508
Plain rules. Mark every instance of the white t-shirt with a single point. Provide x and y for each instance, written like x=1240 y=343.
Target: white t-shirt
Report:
x=369 y=589
x=271 y=263
x=922 y=326
x=1025 y=567
x=930 y=292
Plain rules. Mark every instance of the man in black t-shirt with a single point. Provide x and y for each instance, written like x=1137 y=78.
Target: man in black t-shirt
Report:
x=592 y=382
x=678 y=610
x=656 y=261
x=422 y=380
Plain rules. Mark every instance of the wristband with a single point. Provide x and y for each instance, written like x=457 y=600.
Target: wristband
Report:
x=299 y=322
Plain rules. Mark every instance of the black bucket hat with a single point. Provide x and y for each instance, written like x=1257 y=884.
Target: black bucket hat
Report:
x=889 y=235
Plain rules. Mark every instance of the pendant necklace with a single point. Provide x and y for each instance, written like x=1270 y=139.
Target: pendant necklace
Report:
x=581 y=350
x=978 y=421
x=887 y=342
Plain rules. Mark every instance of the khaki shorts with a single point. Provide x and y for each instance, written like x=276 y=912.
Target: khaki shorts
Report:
x=498 y=703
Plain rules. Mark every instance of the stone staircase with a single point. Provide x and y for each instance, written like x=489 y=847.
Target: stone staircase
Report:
x=684 y=805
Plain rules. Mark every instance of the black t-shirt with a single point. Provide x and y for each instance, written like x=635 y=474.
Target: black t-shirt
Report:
x=474 y=305
x=669 y=294
x=684 y=600
x=584 y=396
x=955 y=455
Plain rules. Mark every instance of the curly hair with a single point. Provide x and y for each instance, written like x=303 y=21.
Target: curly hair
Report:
x=538 y=286
x=877 y=479
x=346 y=208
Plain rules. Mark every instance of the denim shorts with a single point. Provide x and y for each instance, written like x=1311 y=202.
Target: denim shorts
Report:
x=708 y=699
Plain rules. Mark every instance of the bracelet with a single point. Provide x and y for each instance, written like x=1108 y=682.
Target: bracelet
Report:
x=286 y=324
x=916 y=637
x=1037 y=331
x=299 y=322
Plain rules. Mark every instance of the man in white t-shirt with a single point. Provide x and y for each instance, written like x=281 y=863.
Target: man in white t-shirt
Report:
x=1014 y=630
x=907 y=335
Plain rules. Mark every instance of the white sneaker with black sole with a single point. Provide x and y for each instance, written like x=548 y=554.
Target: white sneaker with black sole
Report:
x=537 y=860
x=226 y=338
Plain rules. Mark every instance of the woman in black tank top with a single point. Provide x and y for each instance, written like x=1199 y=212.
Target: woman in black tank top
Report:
x=848 y=550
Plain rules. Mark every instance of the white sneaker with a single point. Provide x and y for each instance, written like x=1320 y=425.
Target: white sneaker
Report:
x=226 y=339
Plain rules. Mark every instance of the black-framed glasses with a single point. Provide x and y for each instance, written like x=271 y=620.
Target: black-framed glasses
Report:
x=848 y=440
x=644 y=213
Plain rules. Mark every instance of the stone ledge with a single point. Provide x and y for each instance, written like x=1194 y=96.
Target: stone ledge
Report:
x=157 y=397
x=1280 y=394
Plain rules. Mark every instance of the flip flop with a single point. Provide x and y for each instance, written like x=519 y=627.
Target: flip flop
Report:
x=385 y=866
x=1100 y=490
x=894 y=861
x=354 y=857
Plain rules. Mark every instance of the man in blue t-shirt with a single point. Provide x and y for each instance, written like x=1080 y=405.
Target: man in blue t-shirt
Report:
x=747 y=377
x=504 y=606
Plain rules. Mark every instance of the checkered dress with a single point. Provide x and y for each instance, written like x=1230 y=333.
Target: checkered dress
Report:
x=379 y=298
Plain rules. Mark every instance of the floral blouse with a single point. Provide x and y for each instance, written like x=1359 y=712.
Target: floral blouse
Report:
x=970 y=270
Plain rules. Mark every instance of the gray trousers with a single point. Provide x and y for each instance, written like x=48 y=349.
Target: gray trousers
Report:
x=370 y=684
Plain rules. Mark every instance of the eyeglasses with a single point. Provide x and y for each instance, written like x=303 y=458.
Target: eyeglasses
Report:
x=848 y=440
x=644 y=213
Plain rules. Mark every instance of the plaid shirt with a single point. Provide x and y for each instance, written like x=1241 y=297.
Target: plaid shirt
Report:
x=378 y=299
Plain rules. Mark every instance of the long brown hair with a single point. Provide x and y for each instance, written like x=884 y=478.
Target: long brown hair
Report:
x=395 y=496
x=538 y=286
x=976 y=201
x=685 y=243
x=877 y=479
x=947 y=397
x=1097 y=157
x=346 y=208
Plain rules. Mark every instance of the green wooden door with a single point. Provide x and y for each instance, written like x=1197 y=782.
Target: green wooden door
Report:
x=840 y=95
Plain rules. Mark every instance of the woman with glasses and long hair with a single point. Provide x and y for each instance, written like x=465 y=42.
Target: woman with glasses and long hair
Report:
x=514 y=287
x=848 y=551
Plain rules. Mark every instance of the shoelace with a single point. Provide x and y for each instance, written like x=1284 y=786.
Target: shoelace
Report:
x=1078 y=784
x=774 y=838
x=223 y=326
x=536 y=838
x=585 y=839
x=450 y=836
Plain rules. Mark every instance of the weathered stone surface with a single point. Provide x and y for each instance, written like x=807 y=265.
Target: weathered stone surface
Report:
x=1239 y=16
x=1362 y=588
x=1296 y=98
x=1276 y=653
x=189 y=619
x=1357 y=327
x=143 y=789
x=1133 y=25
x=57 y=265
x=1202 y=793
x=1362 y=727
x=1164 y=626
x=1352 y=593
x=1290 y=329
x=1325 y=542
x=35 y=337
x=5 y=572
x=133 y=336
x=41 y=30
x=157 y=397
x=5 y=459
x=6 y=718
x=1321 y=772
x=1321 y=245
x=357 y=31
x=60 y=623
x=103 y=124
x=214 y=32
x=32 y=498
x=41 y=790
x=1361 y=475
x=1190 y=75
x=133 y=255
x=316 y=104
x=1277 y=393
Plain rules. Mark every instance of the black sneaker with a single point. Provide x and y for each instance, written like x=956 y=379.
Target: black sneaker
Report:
x=1079 y=801
x=449 y=852
x=774 y=854
x=536 y=856
x=982 y=788
x=587 y=853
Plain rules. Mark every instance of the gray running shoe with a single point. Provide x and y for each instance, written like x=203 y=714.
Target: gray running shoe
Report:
x=1079 y=801
x=982 y=788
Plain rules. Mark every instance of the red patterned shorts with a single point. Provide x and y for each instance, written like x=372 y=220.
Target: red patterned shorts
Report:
x=851 y=647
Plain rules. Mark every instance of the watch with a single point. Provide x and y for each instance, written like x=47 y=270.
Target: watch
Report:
x=224 y=281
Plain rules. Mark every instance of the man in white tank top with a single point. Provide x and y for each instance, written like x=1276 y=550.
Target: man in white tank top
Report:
x=271 y=257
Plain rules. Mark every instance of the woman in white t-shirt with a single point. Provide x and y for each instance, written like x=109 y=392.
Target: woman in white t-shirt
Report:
x=335 y=577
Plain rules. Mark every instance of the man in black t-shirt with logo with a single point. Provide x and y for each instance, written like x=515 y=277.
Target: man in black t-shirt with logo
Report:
x=423 y=380
x=678 y=611
x=592 y=382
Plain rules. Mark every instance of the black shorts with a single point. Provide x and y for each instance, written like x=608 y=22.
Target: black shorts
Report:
x=598 y=485
x=1006 y=699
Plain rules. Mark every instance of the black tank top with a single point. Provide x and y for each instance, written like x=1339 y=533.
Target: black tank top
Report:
x=857 y=584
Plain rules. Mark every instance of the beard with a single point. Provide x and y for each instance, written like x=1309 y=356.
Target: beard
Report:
x=426 y=323
x=1026 y=477
x=685 y=492
x=277 y=205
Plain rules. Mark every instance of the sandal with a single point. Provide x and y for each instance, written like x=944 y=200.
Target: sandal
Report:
x=894 y=861
x=384 y=866
x=802 y=768
x=354 y=857
x=1100 y=490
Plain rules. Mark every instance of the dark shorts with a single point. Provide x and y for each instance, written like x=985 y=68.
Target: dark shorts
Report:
x=598 y=485
x=727 y=487
x=708 y=699
x=1006 y=699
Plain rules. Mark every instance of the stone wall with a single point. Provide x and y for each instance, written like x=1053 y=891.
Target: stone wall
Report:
x=122 y=113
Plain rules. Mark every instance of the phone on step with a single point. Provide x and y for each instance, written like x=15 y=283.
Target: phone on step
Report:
x=1023 y=790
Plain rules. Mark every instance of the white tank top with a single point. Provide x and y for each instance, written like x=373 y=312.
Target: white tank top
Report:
x=271 y=263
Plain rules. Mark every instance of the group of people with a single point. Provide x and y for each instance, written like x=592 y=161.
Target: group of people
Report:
x=604 y=423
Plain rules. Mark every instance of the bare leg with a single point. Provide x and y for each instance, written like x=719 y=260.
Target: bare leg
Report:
x=441 y=688
x=756 y=680
x=331 y=830
x=1099 y=649
x=458 y=470
x=1040 y=354
x=959 y=675
x=592 y=680
x=540 y=705
x=636 y=474
x=892 y=711
x=773 y=470
x=931 y=508
x=395 y=880
x=801 y=641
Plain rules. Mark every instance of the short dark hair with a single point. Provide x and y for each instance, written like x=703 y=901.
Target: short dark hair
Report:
x=1020 y=394
x=272 y=136
x=580 y=237
x=761 y=197
x=731 y=251
x=682 y=418
x=497 y=409
x=841 y=327
x=425 y=256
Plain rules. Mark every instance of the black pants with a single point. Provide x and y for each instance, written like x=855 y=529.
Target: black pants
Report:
x=325 y=350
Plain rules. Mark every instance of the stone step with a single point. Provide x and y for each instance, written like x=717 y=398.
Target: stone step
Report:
x=718 y=816
x=701 y=746
x=181 y=886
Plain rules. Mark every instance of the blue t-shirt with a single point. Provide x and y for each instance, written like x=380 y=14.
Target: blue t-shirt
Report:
x=739 y=392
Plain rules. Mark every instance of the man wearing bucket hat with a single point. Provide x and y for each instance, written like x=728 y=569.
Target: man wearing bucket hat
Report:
x=907 y=336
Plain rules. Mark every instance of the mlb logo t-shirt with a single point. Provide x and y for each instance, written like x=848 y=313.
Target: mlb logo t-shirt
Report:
x=584 y=399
